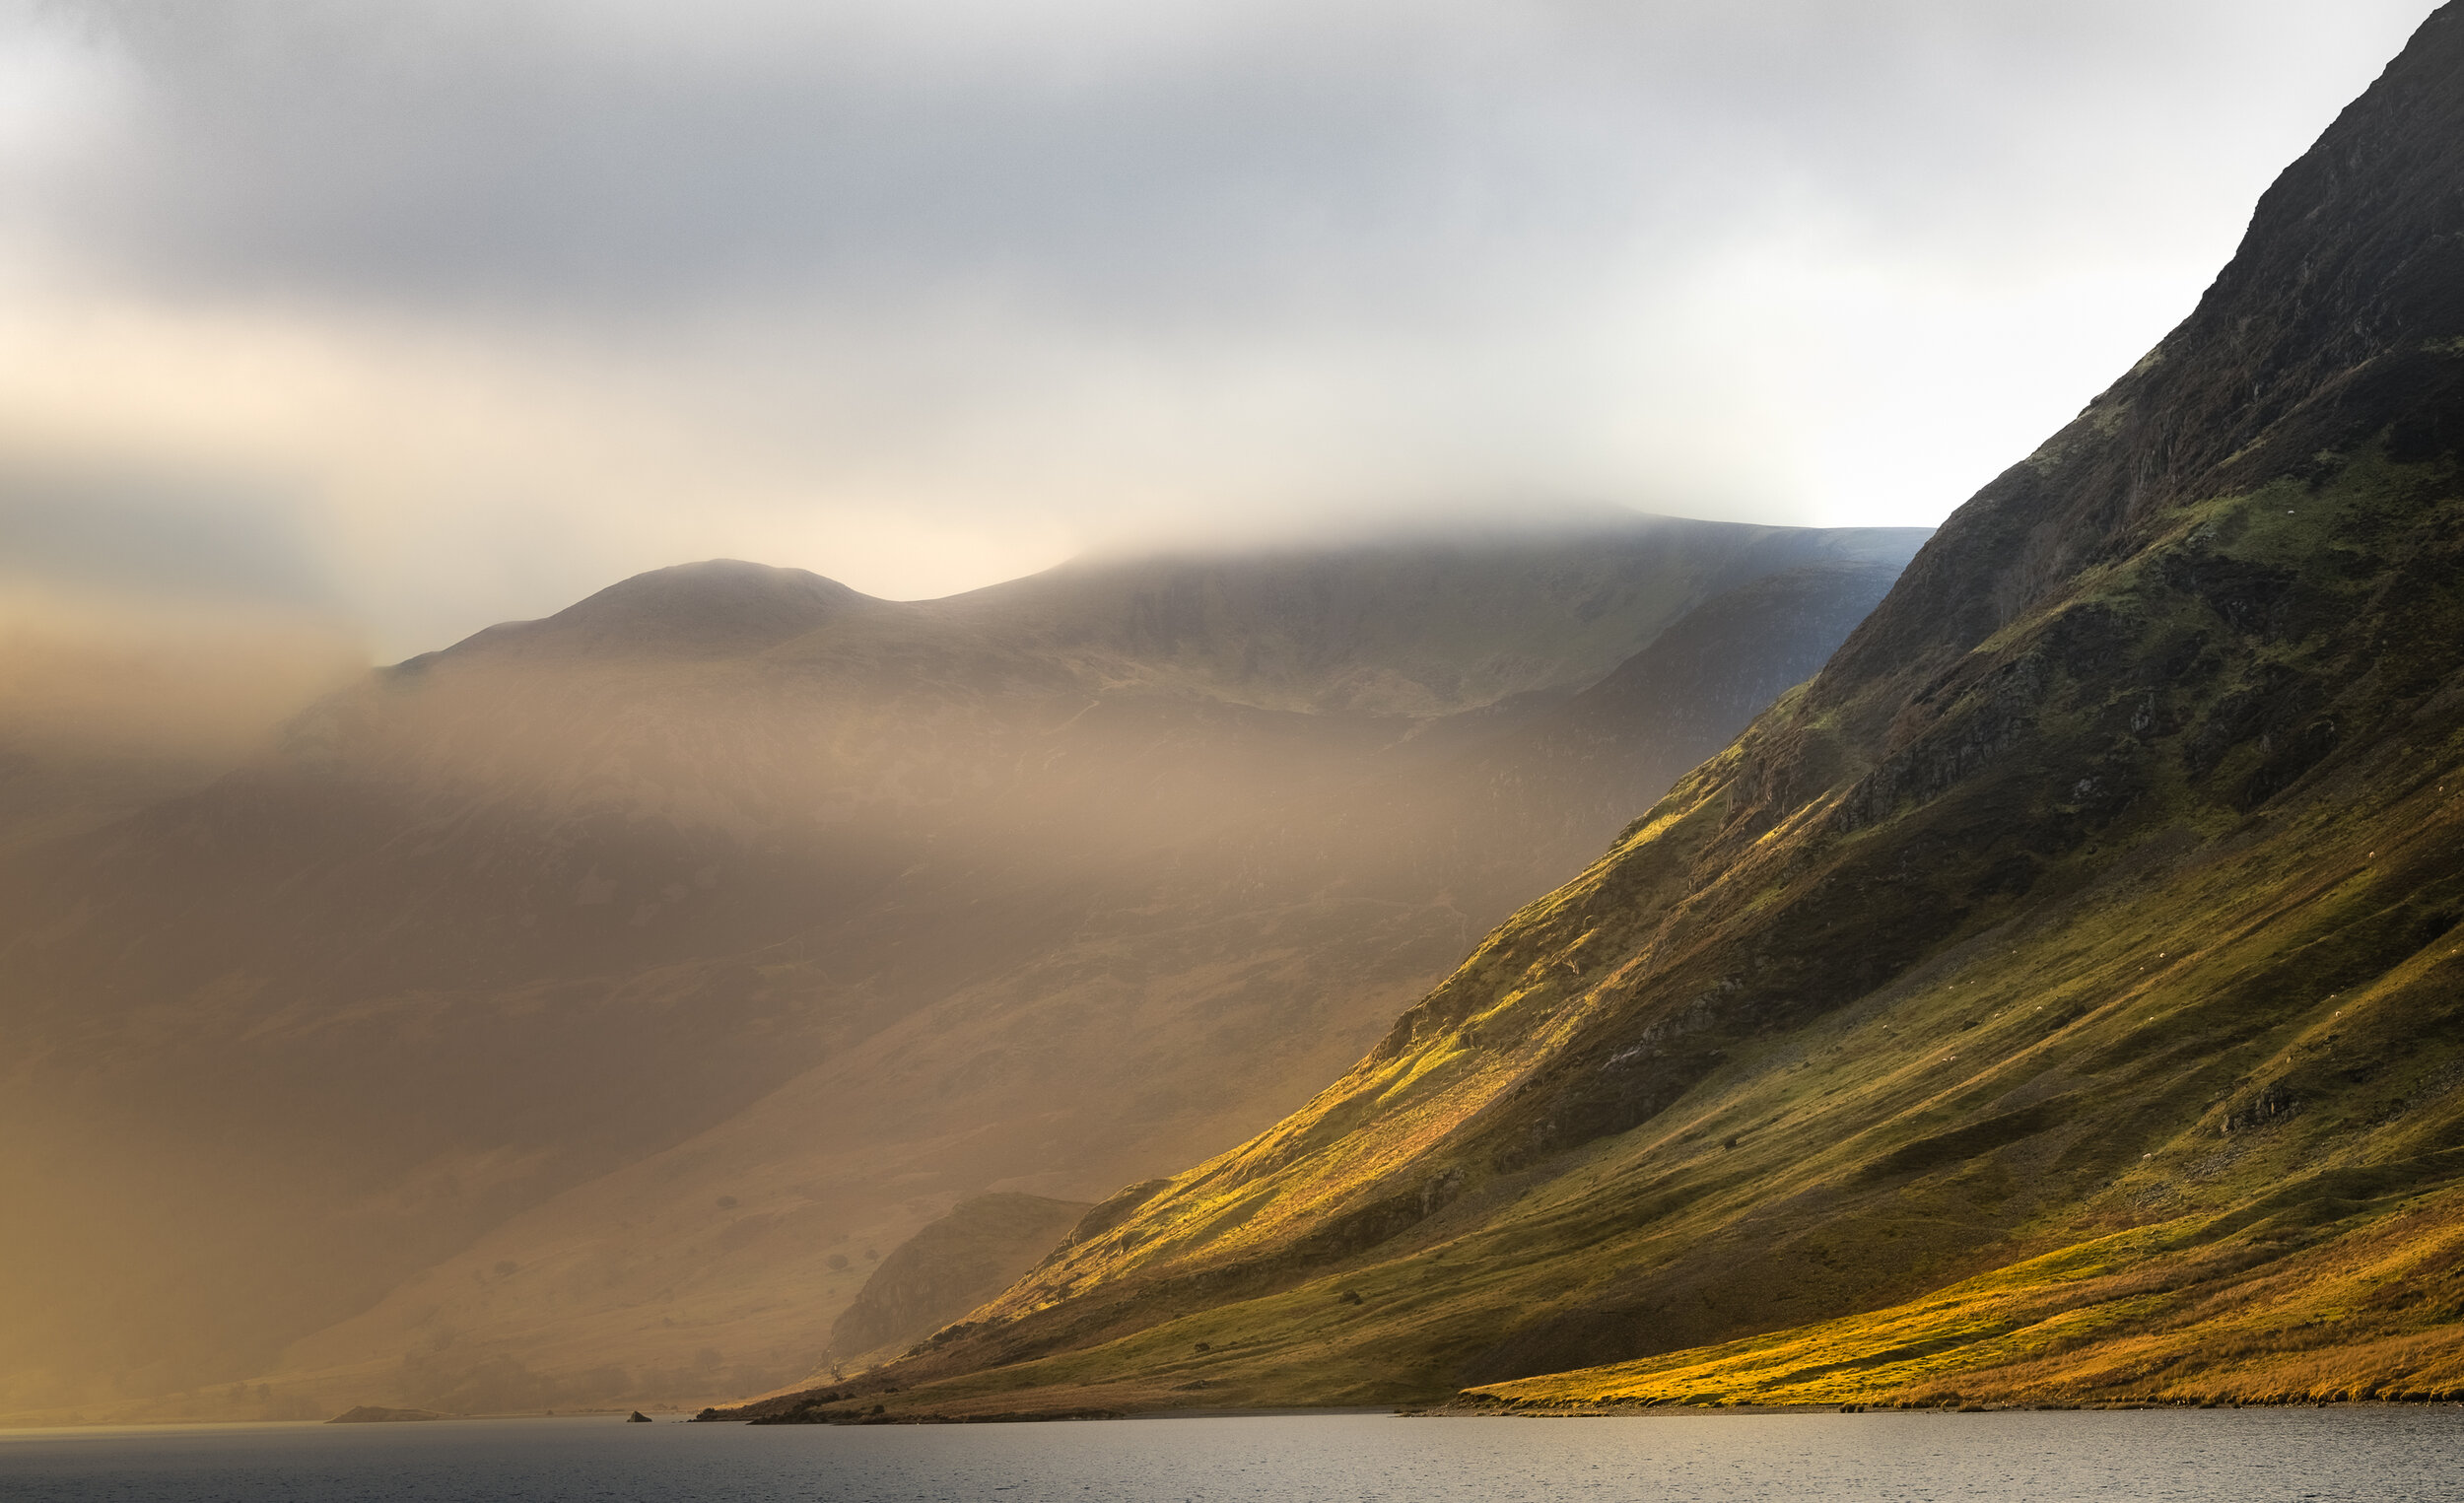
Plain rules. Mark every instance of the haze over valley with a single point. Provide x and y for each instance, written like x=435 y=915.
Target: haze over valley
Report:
x=576 y=1014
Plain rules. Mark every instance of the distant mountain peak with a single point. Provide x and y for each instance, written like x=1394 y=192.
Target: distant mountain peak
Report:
x=716 y=608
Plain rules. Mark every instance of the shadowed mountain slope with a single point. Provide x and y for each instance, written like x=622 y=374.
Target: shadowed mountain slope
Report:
x=2055 y=997
x=537 y=1025
x=1582 y=765
x=951 y=1266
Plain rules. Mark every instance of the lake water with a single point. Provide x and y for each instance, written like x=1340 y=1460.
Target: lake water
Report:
x=2245 y=1456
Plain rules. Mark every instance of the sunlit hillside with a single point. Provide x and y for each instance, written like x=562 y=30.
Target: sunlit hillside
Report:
x=2054 y=999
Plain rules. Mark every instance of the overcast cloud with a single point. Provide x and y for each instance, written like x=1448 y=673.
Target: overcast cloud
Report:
x=457 y=311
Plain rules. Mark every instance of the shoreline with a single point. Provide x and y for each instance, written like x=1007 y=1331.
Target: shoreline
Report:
x=1571 y=1411
x=1350 y=1412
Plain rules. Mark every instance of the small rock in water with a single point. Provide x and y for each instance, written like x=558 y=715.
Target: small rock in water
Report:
x=636 y=1417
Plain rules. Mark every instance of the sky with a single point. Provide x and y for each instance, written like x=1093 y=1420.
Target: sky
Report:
x=430 y=314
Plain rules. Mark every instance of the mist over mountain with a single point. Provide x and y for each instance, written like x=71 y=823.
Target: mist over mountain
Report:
x=564 y=1016
x=2055 y=1000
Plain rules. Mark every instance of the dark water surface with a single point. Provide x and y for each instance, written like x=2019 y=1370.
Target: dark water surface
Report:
x=2246 y=1456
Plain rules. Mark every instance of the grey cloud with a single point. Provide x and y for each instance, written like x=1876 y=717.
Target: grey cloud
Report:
x=1391 y=158
x=452 y=153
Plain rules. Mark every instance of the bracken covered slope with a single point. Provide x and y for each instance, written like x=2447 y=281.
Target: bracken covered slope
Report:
x=2058 y=995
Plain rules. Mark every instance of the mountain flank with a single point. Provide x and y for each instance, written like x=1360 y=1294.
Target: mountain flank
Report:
x=2055 y=1000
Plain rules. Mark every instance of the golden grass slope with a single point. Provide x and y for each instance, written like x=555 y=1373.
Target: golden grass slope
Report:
x=2168 y=1314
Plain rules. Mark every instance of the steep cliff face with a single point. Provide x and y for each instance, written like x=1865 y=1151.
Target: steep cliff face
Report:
x=2080 y=942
